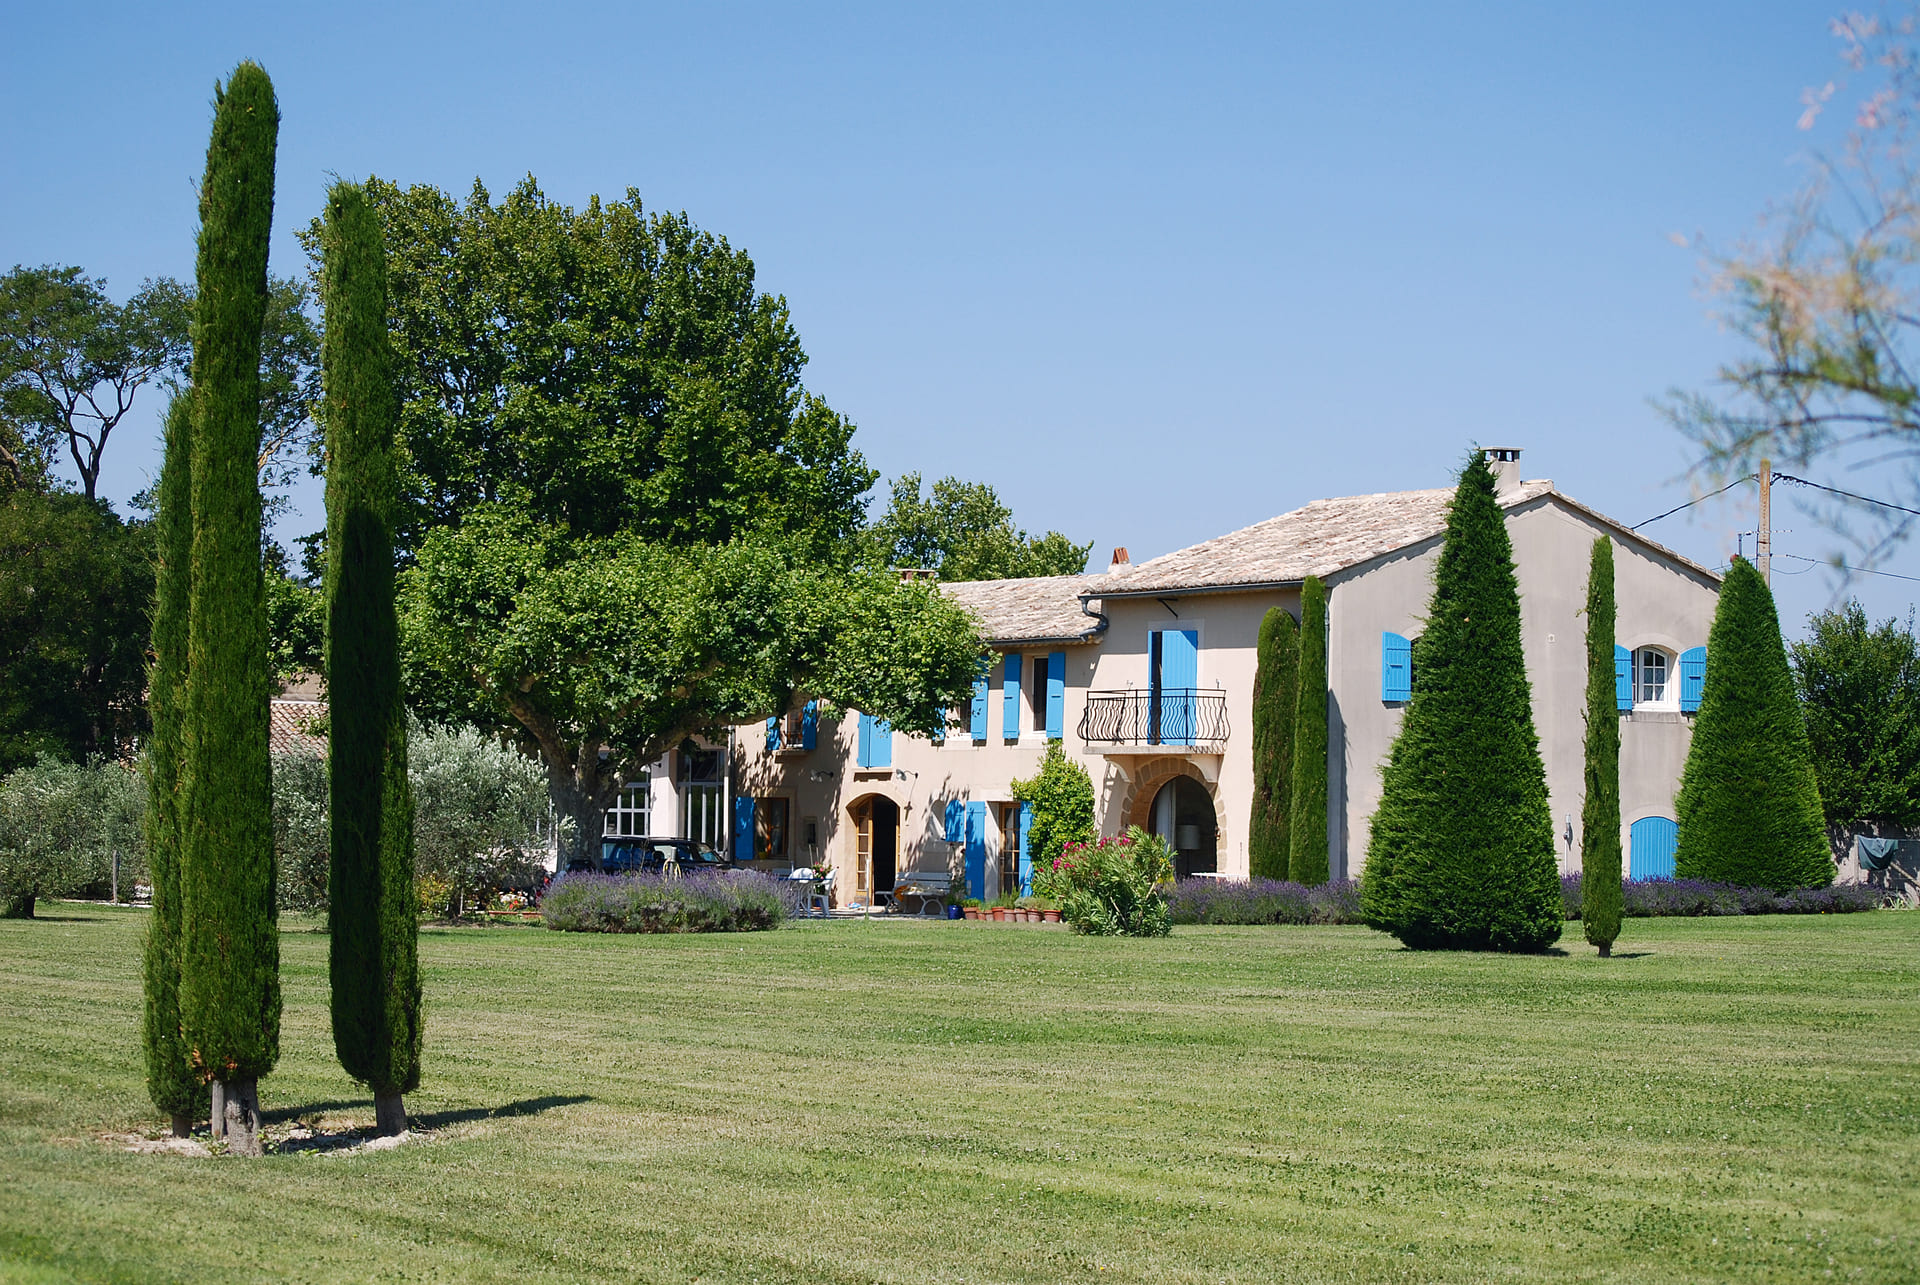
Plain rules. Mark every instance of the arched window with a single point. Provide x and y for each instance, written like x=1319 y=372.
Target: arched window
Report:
x=1654 y=682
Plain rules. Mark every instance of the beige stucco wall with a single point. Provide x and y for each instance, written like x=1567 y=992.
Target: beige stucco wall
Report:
x=1660 y=602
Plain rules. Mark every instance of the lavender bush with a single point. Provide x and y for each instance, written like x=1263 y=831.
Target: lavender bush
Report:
x=1663 y=898
x=1263 y=901
x=740 y=901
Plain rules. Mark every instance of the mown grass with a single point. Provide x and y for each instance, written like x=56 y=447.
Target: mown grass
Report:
x=1730 y=1099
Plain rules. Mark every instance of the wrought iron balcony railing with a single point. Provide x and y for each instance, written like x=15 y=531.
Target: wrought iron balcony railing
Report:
x=1176 y=717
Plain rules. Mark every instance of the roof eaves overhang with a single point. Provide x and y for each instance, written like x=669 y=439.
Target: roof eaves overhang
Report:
x=1189 y=591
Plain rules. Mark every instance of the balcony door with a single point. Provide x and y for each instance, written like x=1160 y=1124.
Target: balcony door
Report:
x=1173 y=714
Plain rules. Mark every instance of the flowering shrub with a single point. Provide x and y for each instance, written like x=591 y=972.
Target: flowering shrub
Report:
x=1664 y=898
x=1111 y=887
x=742 y=901
x=1263 y=901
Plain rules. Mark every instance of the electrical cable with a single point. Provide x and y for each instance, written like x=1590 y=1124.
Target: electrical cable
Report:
x=1690 y=503
x=1841 y=566
x=1834 y=490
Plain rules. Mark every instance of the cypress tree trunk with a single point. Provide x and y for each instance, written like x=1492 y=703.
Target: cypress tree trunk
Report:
x=171 y=1083
x=230 y=958
x=1461 y=854
x=1307 y=835
x=374 y=959
x=1275 y=693
x=1600 y=894
x=1749 y=802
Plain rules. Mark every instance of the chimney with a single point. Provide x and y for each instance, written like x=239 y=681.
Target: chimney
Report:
x=1120 y=556
x=1505 y=463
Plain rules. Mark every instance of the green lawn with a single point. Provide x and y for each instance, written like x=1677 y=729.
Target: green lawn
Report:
x=1728 y=1100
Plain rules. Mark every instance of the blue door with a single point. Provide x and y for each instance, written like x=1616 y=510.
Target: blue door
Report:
x=1176 y=678
x=1650 y=845
x=976 y=849
x=1026 y=849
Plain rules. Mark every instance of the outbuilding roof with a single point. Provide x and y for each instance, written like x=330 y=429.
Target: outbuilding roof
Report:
x=1321 y=538
x=1035 y=610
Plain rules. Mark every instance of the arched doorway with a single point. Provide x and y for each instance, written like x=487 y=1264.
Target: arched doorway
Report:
x=1183 y=815
x=876 y=829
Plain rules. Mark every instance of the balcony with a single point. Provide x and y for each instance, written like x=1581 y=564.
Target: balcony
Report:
x=1176 y=720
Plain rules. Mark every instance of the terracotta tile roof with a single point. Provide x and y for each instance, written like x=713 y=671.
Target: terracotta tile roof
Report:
x=1319 y=539
x=288 y=724
x=1040 y=609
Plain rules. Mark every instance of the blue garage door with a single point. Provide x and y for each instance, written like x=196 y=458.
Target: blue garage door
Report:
x=1650 y=848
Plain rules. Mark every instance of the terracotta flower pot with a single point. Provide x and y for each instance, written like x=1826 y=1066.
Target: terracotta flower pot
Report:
x=999 y=914
x=1050 y=916
x=973 y=912
x=1029 y=916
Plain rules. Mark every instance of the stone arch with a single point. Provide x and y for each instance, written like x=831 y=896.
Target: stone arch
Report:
x=1136 y=806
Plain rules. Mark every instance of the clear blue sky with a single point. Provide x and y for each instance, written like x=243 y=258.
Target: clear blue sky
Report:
x=1153 y=272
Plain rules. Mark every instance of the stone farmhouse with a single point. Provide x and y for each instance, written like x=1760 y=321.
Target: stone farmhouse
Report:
x=1145 y=674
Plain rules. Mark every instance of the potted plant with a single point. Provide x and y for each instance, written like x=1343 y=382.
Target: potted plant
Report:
x=970 y=906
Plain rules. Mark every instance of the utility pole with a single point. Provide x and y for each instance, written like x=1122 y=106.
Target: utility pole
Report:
x=1763 y=538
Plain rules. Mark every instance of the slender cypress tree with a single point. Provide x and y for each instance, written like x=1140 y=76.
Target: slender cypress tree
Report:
x=375 y=963
x=1307 y=835
x=171 y=1083
x=1749 y=801
x=1461 y=854
x=230 y=957
x=1275 y=693
x=1600 y=895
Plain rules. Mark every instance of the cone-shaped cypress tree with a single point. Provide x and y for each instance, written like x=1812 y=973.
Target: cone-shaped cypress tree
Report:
x=171 y=1083
x=1749 y=802
x=375 y=963
x=1461 y=854
x=1275 y=693
x=1307 y=835
x=230 y=958
x=1600 y=894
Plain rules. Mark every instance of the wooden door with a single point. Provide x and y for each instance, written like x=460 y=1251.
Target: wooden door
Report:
x=863 y=852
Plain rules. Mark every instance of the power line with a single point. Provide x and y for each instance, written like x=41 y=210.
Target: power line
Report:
x=1834 y=490
x=1841 y=566
x=1690 y=503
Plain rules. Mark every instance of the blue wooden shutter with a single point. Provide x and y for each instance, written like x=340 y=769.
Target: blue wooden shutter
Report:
x=976 y=849
x=1396 y=668
x=977 y=716
x=1057 y=696
x=742 y=828
x=1650 y=846
x=882 y=743
x=956 y=821
x=1622 y=678
x=773 y=733
x=1026 y=850
x=1177 y=699
x=809 y=725
x=1693 y=677
x=1010 y=702
x=863 y=756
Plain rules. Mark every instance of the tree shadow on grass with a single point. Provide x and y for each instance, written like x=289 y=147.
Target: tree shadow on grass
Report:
x=526 y=1106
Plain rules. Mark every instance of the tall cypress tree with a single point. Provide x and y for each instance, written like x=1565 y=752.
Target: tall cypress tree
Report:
x=1461 y=854
x=374 y=961
x=1307 y=836
x=230 y=957
x=1275 y=693
x=1600 y=895
x=171 y=1083
x=1749 y=802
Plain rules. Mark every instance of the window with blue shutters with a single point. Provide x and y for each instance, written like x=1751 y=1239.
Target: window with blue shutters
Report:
x=882 y=743
x=1010 y=697
x=1396 y=668
x=809 y=724
x=1173 y=682
x=1057 y=696
x=1693 y=678
x=1622 y=678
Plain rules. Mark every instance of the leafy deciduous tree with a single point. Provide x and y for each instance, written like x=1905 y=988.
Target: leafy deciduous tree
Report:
x=1276 y=696
x=1859 y=689
x=1061 y=794
x=964 y=532
x=1461 y=854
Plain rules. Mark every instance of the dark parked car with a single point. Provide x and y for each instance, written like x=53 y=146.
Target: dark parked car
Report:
x=628 y=856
